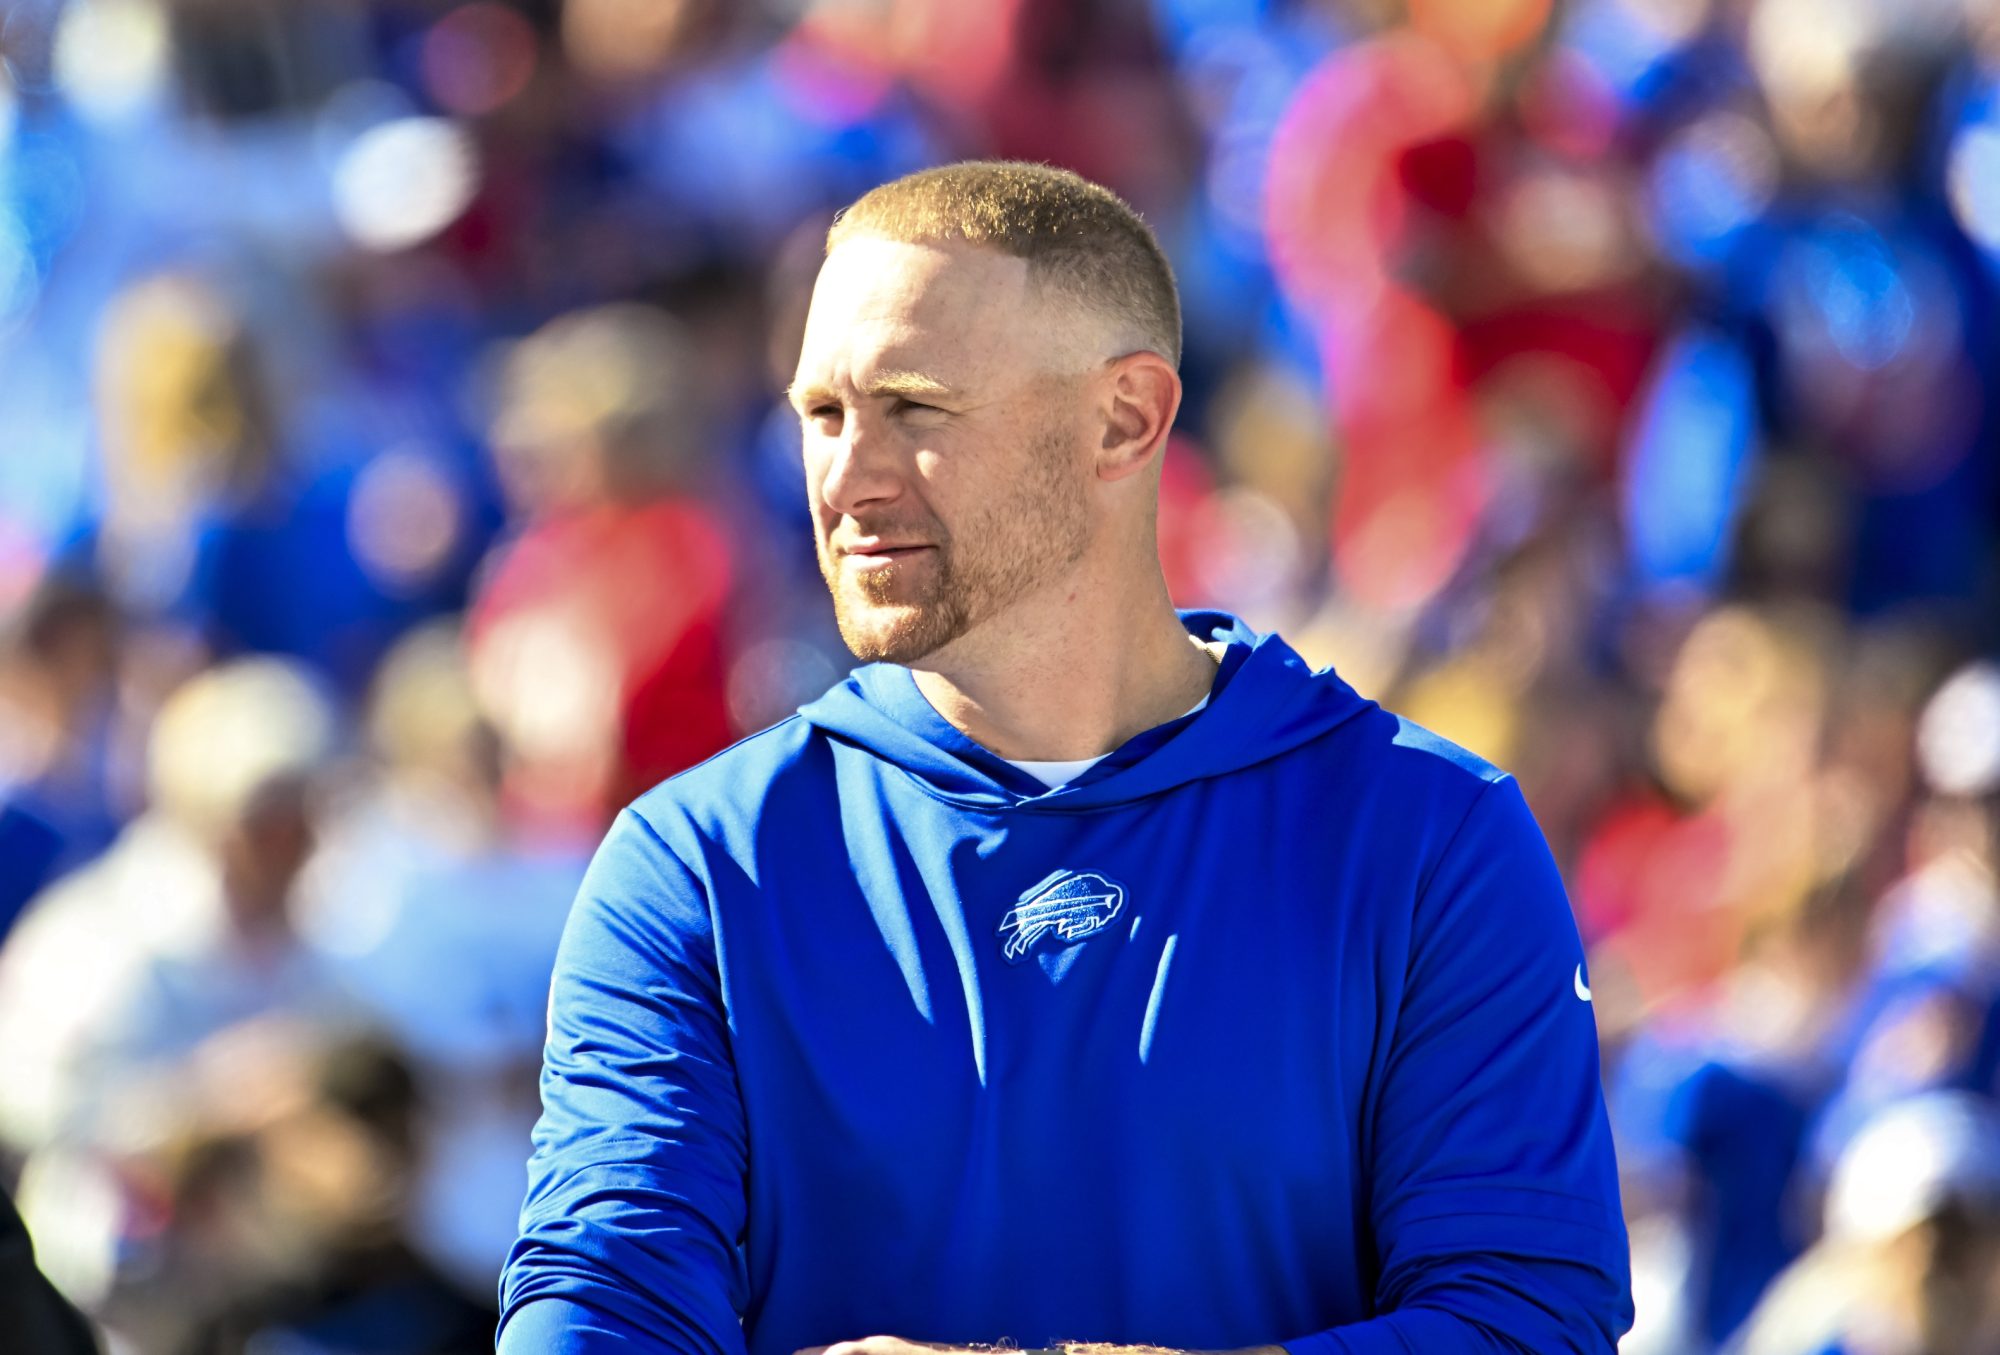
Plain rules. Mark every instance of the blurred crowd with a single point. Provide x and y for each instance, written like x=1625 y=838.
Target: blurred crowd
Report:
x=395 y=481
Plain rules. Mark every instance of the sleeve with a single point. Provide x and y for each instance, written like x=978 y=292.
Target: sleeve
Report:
x=636 y=1201
x=1493 y=1190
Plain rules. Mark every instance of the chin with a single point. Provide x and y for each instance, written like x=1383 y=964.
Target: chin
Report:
x=890 y=633
x=885 y=639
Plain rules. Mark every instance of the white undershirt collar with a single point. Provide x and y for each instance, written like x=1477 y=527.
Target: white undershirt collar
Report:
x=1055 y=775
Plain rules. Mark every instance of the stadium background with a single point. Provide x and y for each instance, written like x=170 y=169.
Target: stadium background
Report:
x=394 y=479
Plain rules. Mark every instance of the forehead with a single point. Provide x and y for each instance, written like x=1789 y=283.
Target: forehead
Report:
x=945 y=309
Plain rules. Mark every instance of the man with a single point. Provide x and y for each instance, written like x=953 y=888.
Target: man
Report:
x=1077 y=971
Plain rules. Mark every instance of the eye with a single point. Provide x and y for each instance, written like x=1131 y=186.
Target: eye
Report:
x=822 y=412
x=908 y=406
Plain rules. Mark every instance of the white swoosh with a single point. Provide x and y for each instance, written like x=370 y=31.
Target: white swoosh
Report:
x=1582 y=989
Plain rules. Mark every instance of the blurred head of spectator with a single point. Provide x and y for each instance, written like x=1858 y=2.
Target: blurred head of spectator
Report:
x=618 y=41
x=1910 y=1261
x=598 y=407
x=233 y=755
x=183 y=411
x=279 y=1143
x=1848 y=80
x=186 y=431
x=1744 y=705
x=435 y=747
x=273 y=1199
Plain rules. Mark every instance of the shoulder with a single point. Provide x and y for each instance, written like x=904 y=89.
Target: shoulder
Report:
x=1409 y=748
x=1397 y=757
x=1421 y=752
x=1412 y=795
x=651 y=880
x=737 y=786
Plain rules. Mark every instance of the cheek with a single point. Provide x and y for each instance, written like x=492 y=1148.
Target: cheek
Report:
x=815 y=466
x=942 y=486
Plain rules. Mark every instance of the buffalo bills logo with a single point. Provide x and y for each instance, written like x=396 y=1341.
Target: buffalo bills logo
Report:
x=1070 y=904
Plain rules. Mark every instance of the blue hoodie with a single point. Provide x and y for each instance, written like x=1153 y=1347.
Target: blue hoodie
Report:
x=1271 y=1027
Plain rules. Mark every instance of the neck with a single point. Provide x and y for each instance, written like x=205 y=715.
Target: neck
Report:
x=1070 y=672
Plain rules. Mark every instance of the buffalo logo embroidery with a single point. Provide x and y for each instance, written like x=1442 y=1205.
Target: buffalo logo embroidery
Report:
x=1071 y=904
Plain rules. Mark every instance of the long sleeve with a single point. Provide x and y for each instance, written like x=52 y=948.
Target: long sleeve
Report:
x=636 y=1196
x=1493 y=1191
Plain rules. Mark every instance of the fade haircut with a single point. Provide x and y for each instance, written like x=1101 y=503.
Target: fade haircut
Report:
x=1080 y=239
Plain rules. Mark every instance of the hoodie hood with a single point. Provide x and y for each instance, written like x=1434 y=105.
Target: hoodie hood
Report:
x=1266 y=701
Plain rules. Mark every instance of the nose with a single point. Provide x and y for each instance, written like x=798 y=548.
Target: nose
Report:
x=860 y=469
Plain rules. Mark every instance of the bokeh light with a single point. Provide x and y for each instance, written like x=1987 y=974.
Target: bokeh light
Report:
x=1973 y=179
x=407 y=519
x=1716 y=177
x=1686 y=471
x=1843 y=291
x=1869 y=325
x=478 y=57
x=1902 y=1169
x=111 y=55
x=1566 y=231
x=1958 y=738
x=400 y=183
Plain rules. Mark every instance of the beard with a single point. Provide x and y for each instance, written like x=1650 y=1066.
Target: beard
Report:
x=1005 y=549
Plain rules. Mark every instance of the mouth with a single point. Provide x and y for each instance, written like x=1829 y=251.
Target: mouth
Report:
x=877 y=557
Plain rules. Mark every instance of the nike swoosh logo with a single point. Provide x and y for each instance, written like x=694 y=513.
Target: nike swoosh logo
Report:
x=1582 y=988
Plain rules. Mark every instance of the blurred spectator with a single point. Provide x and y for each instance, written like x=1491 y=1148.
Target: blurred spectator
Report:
x=1910 y=1261
x=270 y=1201
x=1712 y=1109
x=217 y=521
x=597 y=638
x=57 y=670
x=184 y=926
x=443 y=925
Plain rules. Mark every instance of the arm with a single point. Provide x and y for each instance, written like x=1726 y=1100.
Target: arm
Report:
x=636 y=1187
x=1494 y=1195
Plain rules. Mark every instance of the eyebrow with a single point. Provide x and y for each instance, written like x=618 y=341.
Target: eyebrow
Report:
x=890 y=383
x=905 y=383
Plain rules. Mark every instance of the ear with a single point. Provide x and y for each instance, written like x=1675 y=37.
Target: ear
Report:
x=1139 y=395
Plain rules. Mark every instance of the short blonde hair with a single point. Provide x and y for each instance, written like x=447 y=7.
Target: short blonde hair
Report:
x=1079 y=238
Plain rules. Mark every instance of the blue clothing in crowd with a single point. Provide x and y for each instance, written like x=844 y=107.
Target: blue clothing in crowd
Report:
x=1272 y=1026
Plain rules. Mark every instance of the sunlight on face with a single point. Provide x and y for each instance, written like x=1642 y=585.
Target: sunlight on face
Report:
x=946 y=463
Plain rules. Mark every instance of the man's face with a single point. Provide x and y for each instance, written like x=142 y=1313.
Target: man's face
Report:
x=946 y=460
